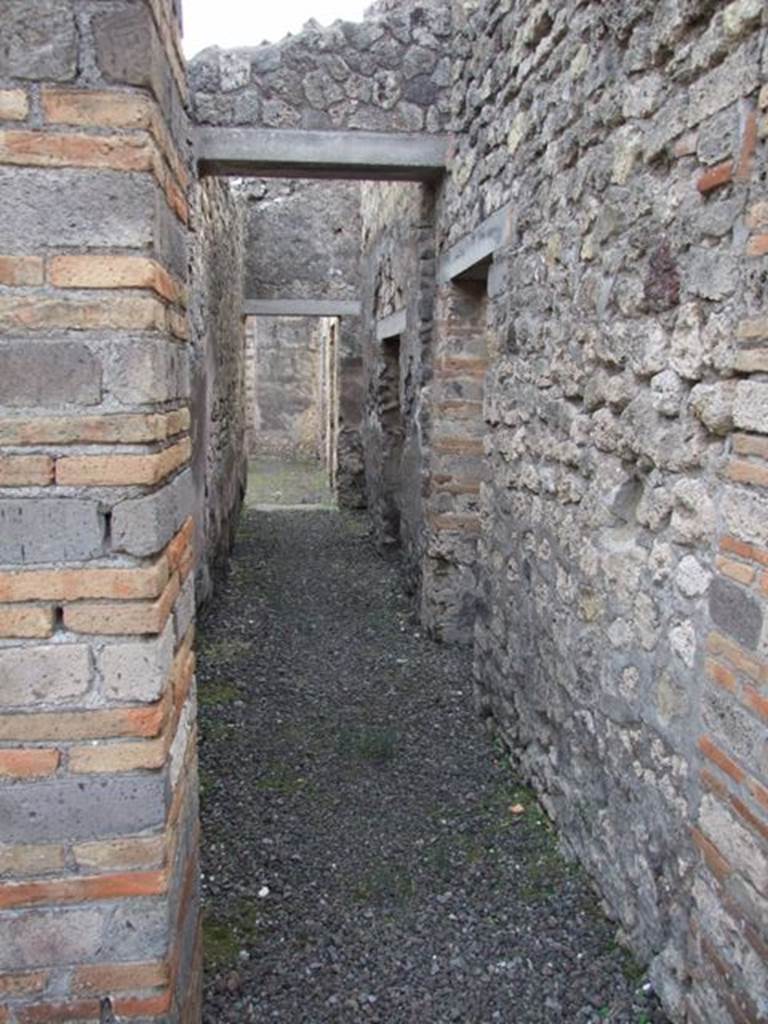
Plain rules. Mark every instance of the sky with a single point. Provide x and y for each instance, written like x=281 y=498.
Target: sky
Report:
x=232 y=23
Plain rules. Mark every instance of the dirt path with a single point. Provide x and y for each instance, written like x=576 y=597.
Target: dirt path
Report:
x=368 y=854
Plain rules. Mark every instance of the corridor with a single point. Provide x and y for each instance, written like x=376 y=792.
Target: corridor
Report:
x=368 y=854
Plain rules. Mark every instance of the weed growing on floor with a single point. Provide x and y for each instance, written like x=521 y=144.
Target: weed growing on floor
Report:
x=370 y=743
x=210 y=694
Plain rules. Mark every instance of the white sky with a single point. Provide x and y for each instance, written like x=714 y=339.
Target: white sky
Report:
x=232 y=23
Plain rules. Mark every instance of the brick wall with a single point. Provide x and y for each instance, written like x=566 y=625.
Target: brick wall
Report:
x=98 y=864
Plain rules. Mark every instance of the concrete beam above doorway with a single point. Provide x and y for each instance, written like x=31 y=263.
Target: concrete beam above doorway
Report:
x=301 y=307
x=289 y=153
x=470 y=258
x=391 y=326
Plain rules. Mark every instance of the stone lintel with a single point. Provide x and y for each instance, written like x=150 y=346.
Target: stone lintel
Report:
x=301 y=307
x=391 y=326
x=470 y=258
x=290 y=153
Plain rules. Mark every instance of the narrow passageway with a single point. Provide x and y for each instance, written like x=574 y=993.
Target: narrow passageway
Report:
x=368 y=854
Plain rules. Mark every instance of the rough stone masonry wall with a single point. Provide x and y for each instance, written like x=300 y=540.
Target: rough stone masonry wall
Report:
x=286 y=406
x=622 y=642
x=398 y=277
x=388 y=73
x=219 y=410
x=98 y=833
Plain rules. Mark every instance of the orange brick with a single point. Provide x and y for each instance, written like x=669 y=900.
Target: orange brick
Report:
x=457 y=446
x=110 y=271
x=76 y=890
x=713 y=858
x=753 y=329
x=122 y=619
x=747 y=149
x=738 y=547
x=756 y=701
x=147 y=755
x=14 y=105
x=143 y=1006
x=457 y=487
x=460 y=366
x=15 y=986
x=28 y=764
x=450 y=523
x=79 y=584
x=48 y=1013
x=26 y=623
x=721 y=675
x=758 y=826
x=177 y=548
x=32 y=860
x=751 y=444
x=751 y=360
x=26 y=471
x=757 y=245
x=177 y=325
x=722 y=174
x=735 y=570
x=16 y=271
x=94 y=109
x=461 y=410
x=122 y=470
x=89 y=1010
x=83 y=725
x=757 y=216
x=113 y=312
x=750 y=666
x=176 y=200
x=126 y=428
x=743 y=472
x=718 y=757
x=101 y=978
x=111 y=854
x=760 y=793
x=75 y=149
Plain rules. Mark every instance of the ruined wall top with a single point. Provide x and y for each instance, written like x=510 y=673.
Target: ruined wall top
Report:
x=389 y=73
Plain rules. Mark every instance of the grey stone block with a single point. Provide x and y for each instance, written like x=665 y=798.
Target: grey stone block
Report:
x=184 y=612
x=47 y=938
x=137 y=670
x=137 y=930
x=49 y=374
x=93 y=807
x=75 y=207
x=125 y=44
x=43 y=675
x=39 y=43
x=147 y=370
x=736 y=612
x=49 y=530
x=142 y=526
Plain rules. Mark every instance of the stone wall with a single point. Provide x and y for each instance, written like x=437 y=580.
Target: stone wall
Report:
x=398 y=289
x=285 y=416
x=387 y=74
x=219 y=413
x=303 y=239
x=616 y=493
x=98 y=833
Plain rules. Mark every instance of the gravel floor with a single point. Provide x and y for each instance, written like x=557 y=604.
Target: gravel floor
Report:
x=368 y=855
